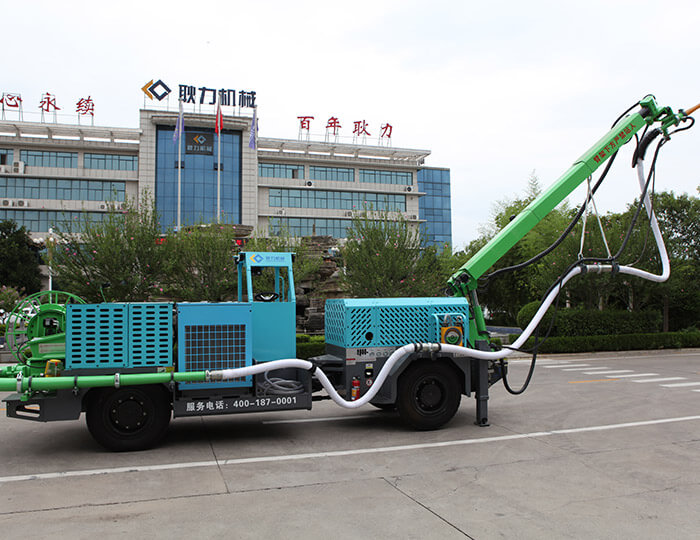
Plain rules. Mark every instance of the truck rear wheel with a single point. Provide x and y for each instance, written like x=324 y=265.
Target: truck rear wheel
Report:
x=428 y=394
x=129 y=418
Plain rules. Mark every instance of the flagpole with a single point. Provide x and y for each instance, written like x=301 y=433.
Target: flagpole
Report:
x=180 y=130
x=179 y=182
x=218 y=177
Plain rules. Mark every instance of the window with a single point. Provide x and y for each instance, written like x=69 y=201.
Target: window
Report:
x=5 y=156
x=40 y=158
x=276 y=170
x=386 y=177
x=50 y=188
x=332 y=173
x=336 y=200
x=336 y=228
x=114 y=162
x=42 y=220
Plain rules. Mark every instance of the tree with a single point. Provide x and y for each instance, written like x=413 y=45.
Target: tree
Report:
x=385 y=257
x=118 y=258
x=19 y=258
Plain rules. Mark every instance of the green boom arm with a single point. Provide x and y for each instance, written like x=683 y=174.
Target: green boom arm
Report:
x=464 y=281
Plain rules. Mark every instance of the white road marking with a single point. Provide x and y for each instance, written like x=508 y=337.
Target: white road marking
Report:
x=633 y=375
x=568 y=366
x=682 y=384
x=607 y=372
x=324 y=419
x=338 y=453
x=664 y=379
x=585 y=368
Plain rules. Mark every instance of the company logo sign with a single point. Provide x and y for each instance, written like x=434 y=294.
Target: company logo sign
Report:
x=199 y=143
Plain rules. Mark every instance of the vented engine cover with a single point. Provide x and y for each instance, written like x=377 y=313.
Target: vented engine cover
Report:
x=388 y=322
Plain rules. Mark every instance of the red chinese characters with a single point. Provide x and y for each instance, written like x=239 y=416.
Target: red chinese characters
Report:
x=334 y=124
x=305 y=122
x=11 y=101
x=85 y=106
x=360 y=128
x=48 y=103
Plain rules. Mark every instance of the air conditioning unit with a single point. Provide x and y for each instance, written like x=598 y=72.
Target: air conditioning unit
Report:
x=409 y=189
x=102 y=207
x=348 y=214
x=280 y=212
x=309 y=183
x=413 y=216
x=7 y=169
x=6 y=202
x=18 y=167
x=21 y=203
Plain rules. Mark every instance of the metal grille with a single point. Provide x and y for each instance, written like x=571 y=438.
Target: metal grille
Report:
x=150 y=334
x=97 y=336
x=211 y=347
x=361 y=329
x=335 y=322
x=405 y=325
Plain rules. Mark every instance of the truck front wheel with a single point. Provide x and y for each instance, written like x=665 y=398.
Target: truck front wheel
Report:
x=129 y=418
x=428 y=394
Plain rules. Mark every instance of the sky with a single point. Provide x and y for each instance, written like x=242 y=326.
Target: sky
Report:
x=496 y=91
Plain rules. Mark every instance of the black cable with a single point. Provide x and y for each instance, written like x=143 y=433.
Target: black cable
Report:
x=576 y=218
x=563 y=235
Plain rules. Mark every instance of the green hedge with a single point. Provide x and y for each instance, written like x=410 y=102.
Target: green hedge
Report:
x=309 y=349
x=593 y=322
x=624 y=342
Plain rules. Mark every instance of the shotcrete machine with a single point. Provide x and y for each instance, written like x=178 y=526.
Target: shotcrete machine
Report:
x=131 y=367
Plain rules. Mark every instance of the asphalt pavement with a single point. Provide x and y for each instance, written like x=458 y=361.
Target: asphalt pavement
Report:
x=600 y=446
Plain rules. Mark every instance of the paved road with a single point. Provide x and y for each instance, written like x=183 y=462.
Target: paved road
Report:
x=600 y=446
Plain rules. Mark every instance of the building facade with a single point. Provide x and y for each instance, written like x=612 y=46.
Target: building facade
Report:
x=53 y=174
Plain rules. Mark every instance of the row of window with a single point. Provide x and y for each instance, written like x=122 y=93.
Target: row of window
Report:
x=336 y=228
x=337 y=200
x=43 y=220
x=386 y=177
x=338 y=174
x=112 y=162
x=276 y=170
x=69 y=160
x=71 y=190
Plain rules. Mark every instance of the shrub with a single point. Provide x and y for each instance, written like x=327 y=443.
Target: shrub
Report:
x=307 y=350
x=593 y=322
x=623 y=342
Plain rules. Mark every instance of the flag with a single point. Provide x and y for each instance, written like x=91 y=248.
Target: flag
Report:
x=253 y=129
x=179 y=125
x=218 y=128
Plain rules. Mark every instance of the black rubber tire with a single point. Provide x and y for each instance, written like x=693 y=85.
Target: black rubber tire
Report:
x=130 y=418
x=429 y=393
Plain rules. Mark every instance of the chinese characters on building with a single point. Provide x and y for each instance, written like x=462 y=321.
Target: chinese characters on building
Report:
x=360 y=129
x=201 y=95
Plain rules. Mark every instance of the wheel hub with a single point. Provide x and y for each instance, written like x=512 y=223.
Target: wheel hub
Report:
x=128 y=414
x=429 y=395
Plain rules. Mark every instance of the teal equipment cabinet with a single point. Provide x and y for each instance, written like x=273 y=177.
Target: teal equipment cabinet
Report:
x=266 y=281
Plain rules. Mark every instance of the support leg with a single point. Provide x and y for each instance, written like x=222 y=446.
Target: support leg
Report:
x=482 y=393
